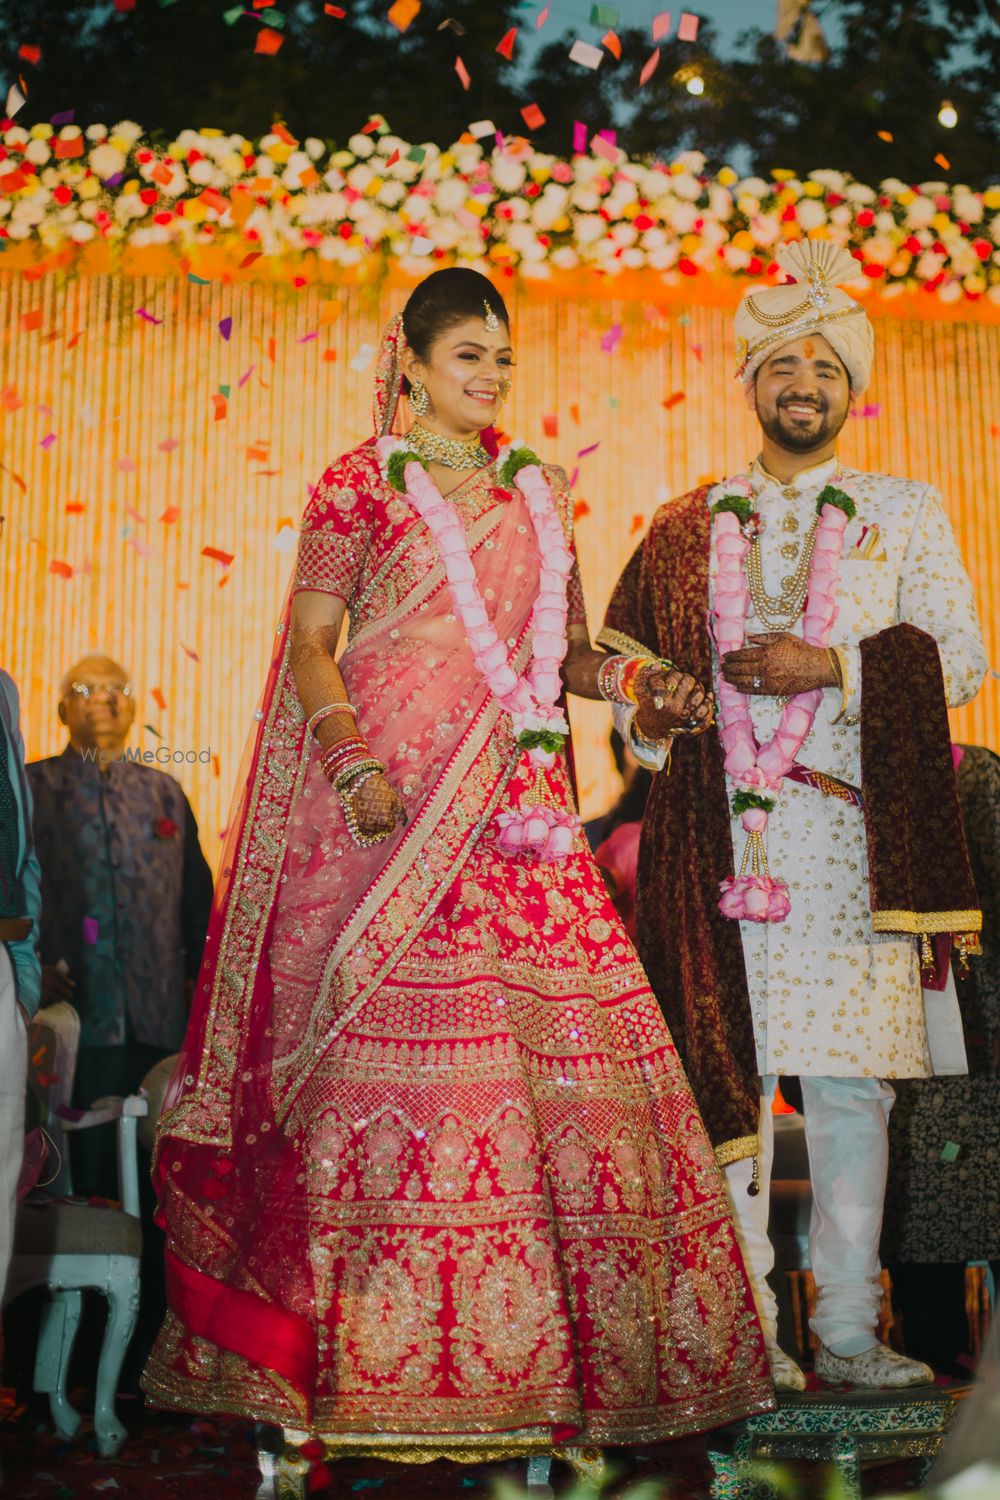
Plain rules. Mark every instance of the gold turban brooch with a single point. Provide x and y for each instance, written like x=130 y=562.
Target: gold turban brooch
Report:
x=812 y=303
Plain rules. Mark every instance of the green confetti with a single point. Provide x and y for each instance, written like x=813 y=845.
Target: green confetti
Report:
x=273 y=18
x=950 y=1151
x=232 y=16
x=224 y=391
x=159 y=736
x=604 y=15
x=198 y=280
x=416 y=154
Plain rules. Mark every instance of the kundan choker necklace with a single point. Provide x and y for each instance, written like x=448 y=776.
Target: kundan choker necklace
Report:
x=450 y=453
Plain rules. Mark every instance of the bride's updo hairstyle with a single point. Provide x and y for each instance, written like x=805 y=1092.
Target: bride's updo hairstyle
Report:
x=444 y=299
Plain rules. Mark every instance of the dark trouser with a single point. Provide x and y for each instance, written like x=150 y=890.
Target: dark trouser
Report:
x=931 y=1300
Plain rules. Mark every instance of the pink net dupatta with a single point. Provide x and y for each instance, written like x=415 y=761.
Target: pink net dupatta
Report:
x=304 y=929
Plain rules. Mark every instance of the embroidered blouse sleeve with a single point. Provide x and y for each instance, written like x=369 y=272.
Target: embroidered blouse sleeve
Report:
x=335 y=535
x=563 y=495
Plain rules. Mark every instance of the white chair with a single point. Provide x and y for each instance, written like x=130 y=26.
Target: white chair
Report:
x=69 y=1247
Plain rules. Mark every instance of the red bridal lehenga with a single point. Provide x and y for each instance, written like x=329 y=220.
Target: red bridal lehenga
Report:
x=432 y=1177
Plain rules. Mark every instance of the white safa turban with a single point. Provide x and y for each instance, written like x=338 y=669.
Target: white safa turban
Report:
x=811 y=304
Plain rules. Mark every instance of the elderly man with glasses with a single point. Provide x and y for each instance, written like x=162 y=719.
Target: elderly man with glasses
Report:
x=126 y=894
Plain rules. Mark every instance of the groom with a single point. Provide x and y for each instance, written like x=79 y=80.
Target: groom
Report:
x=847 y=827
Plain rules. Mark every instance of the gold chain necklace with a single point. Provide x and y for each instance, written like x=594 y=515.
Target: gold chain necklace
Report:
x=781 y=611
x=450 y=453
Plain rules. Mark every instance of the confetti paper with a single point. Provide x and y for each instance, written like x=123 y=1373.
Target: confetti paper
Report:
x=687 y=27
x=147 y=317
x=586 y=55
x=543 y=16
x=885 y=135
x=550 y=426
x=661 y=25
x=612 y=44
x=649 y=67
x=481 y=128
x=225 y=558
x=671 y=401
x=15 y=101
x=584 y=451
x=60 y=569
x=604 y=15
x=158 y=699
x=269 y=42
x=611 y=339
x=463 y=73
x=30 y=54
x=579 y=137
x=532 y=117
x=335 y=11
x=601 y=146
x=403 y=13
x=363 y=358
x=188 y=652
x=505 y=46
x=226 y=328
x=950 y=1151
x=31 y=320
x=942 y=162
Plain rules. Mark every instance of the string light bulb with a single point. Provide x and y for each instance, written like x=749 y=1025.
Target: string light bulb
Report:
x=696 y=85
x=947 y=115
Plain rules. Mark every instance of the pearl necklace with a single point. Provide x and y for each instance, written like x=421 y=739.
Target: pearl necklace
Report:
x=450 y=453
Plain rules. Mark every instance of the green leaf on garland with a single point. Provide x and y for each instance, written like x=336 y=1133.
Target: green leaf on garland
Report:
x=518 y=458
x=541 y=739
x=744 y=800
x=739 y=505
x=396 y=468
x=830 y=495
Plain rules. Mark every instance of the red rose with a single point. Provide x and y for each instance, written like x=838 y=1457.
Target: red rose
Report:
x=166 y=828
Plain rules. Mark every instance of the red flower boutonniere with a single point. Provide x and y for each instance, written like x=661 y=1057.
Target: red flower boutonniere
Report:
x=166 y=829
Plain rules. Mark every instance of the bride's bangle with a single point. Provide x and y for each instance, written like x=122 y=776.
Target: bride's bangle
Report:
x=616 y=677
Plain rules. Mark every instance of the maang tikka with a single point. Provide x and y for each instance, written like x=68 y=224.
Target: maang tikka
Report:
x=492 y=321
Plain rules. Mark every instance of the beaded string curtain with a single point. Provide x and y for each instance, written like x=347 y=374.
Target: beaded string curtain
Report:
x=123 y=457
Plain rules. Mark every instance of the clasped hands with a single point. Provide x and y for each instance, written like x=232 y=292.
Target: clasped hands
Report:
x=778 y=665
x=671 y=702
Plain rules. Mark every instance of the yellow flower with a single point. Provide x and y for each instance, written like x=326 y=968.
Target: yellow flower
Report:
x=195 y=212
x=974 y=282
x=991 y=198
x=540 y=174
x=373 y=187
x=41 y=132
x=941 y=222
x=476 y=206
x=781 y=174
x=690 y=243
x=232 y=164
x=120 y=144
x=445 y=162
x=742 y=240
x=906 y=197
x=132 y=186
x=677 y=169
x=560 y=225
x=726 y=177
x=211 y=130
x=279 y=152
x=630 y=210
x=786 y=196
x=89 y=188
x=812 y=189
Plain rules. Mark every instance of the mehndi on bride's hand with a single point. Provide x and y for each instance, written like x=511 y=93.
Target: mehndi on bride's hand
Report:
x=377 y=806
x=671 y=702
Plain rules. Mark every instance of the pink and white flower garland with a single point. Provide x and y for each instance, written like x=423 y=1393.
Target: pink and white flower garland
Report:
x=529 y=697
x=758 y=769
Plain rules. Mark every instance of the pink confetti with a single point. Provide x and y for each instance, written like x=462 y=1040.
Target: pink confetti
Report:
x=687 y=27
x=244 y=378
x=649 y=67
x=126 y=465
x=661 y=25
x=584 y=451
x=226 y=328
x=543 y=16
x=611 y=339
x=188 y=652
x=602 y=147
x=463 y=73
x=307 y=336
x=48 y=440
x=91 y=930
x=147 y=317
x=579 y=137
x=169 y=444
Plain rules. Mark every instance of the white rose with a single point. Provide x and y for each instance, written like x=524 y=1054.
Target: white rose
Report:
x=38 y=153
x=519 y=210
x=624 y=234
x=634 y=258
x=589 y=228
x=81 y=233
x=361 y=145
x=929 y=264
x=508 y=174
x=663 y=260
x=682 y=217
x=859 y=192
x=106 y=161
x=766 y=229
x=520 y=237
x=314 y=147
x=177 y=184
x=748 y=204
x=968 y=206
x=950 y=292
x=654 y=239
x=933 y=189
x=686 y=187
x=202 y=173
x=832 y=181
x=720 y=201
x=96 y=132
x=565 y=258
x=693 y=161
x=17 y=137
x=359 y=177
x=920 y=213
x=128 y=130
x=879 y=249
x=450 y=195
x=756 y=187
x=891 y=187
x=810 y=213
x=391 y=194
x=585 y=200
x=734 y=258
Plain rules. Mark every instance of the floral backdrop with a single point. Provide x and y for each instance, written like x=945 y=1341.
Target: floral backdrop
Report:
x=490 y=201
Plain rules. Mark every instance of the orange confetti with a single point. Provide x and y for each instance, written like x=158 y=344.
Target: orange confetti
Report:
x=282 y=131
x=550 y=426
x=216 y=763
x=611 y=41
x=885 y=135
x=638 y=522
x=329 y=355
x=75 y=508
x=170 y=515
x=649 y=67
x=161 y=174
x=532 y=117
x=257 y=455
x=30 y=54
x=574 y=412
x=225 y=558
x=505 y=46
x=329 y=312
x=942 y=162
x=221 y=407
x=61 y=569
x=268 y=41
x=159 y=699
x=671 y=401
x=338 y=14
x=580 y=509
x=462 y=72
x=9 y=399
x=403 y=13
x=72 y=343
x=31 y=320
x=63 y=150
x=272 y=349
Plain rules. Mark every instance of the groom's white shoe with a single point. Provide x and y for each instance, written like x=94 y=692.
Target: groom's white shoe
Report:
x=876 y=1369
x=784 y=1371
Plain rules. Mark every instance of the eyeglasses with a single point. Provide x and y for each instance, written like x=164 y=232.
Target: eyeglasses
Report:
x=87 y=690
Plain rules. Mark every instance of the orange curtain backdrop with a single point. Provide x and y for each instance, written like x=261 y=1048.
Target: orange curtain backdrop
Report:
x=143 y=429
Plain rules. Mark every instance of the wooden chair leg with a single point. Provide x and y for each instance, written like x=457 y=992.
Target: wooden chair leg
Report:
x=59 y=1323
x=123 y=1308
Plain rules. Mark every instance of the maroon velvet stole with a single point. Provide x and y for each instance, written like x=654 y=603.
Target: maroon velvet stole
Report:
x=921 y=882
x=691 y=952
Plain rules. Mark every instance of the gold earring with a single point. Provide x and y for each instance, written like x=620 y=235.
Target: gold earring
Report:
x=504 y=390
x=420 y=402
